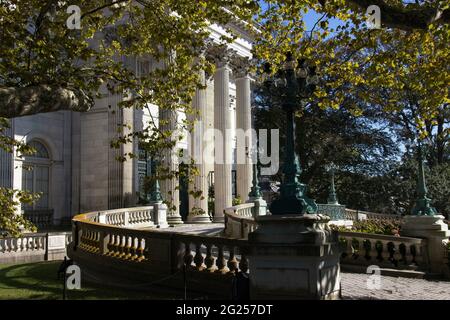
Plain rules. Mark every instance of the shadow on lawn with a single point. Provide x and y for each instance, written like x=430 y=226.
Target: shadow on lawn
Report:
x=39 y=281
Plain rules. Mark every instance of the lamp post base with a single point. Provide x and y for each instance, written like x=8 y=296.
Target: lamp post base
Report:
x=293 y=205
x=294 y=257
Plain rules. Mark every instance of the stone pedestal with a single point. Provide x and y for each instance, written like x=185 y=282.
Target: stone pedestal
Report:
x=294 y=257
x=56 y=246
x=437 y=234
x=260 y=208
x=160 y=215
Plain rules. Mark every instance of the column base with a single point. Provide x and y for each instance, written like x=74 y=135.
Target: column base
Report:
x=198 y=219
x=174 y=220
x=219 y=219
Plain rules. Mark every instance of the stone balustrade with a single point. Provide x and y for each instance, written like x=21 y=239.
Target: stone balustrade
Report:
x=136 y=217
x=357 y=215
x=382 y=250
x=153 y=253
x=209 y=263
x=198 y=252
x=213 y=254
x=239 y=221
x=32 y=242
x=34 y=247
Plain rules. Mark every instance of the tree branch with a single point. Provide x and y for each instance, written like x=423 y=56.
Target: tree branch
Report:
x=404 y=17
x=18 y=102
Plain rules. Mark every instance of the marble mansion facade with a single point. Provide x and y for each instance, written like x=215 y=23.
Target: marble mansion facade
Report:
x=76 y=170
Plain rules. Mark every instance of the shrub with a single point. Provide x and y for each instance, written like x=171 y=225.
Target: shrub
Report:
x=376 y=226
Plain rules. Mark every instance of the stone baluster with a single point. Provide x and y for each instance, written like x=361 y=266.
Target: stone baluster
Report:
x=397 y=253
x=88 y=240
x=94 y=242
x=103 y=241
x=27 y=243
x=232 y=261
x=403 y=253
x=116 y=246
x=349 y=249
x=209 y=259
x=140 y=249
x=188 y=257
x=385 y=253
x=128 y=247
x=16 y=244
x=122 y=246
x=133 y=249
x=111 y=244
x=243 y=264
x=221 y=262
x=198 y=259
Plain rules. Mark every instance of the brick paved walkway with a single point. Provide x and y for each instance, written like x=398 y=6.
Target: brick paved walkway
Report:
x=354 y=287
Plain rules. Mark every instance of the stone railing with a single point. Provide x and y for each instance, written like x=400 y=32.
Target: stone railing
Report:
x=366 y=249
x=34 y=247
x=334 y=211
x=357 y=215
x=239 y=221
x=136 y=217
x=149 y=255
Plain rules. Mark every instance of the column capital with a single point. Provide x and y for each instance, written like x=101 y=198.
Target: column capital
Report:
x=220 y=55
x=241 y=66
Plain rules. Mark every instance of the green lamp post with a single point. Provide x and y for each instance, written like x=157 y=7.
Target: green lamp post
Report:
x=255 y=191
x=423 y=203
x=332 y=197
x=295 y=83
x=155 y=193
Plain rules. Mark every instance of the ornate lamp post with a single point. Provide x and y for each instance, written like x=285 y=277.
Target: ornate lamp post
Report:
x=423 y=203
x=294 y=224
x=332 y=197
x=155 y=192
x=295 y=82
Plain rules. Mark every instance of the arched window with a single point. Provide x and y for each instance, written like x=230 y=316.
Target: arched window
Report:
x=41 y=150
x=36 y=175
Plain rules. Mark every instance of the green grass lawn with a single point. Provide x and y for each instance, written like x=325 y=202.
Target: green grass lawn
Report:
x=39 y=281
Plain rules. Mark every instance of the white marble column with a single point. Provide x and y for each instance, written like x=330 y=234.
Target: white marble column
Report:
x=170 y=186
x=129 y=198
x=222 y=141
x=244 y=169
x=198 y=206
